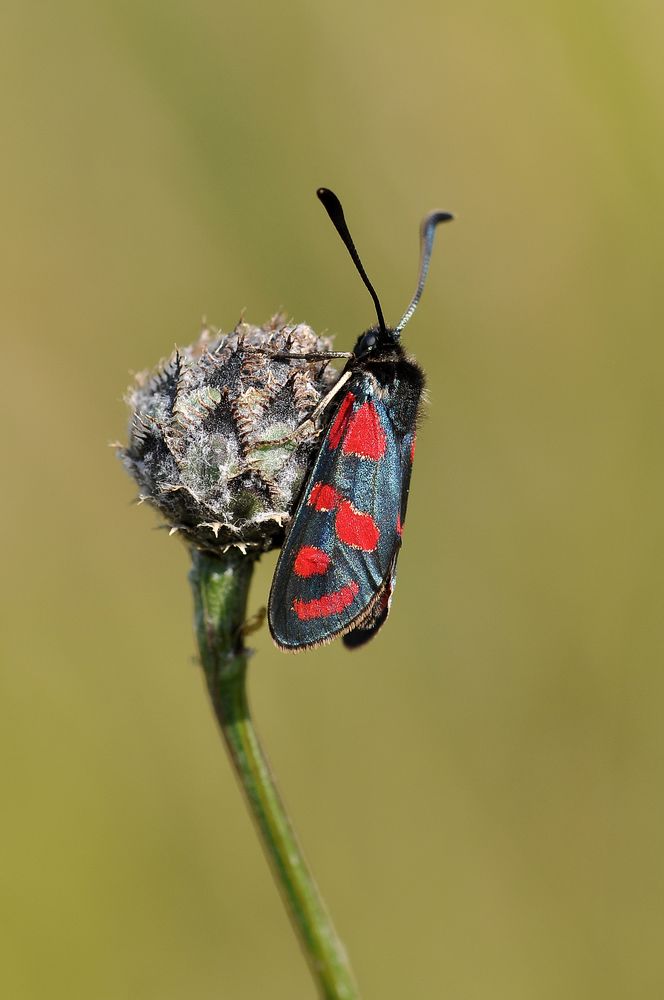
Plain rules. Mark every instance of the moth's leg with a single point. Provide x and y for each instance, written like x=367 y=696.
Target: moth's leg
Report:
x=312 y=356
x=327 y=399
x=254 y=623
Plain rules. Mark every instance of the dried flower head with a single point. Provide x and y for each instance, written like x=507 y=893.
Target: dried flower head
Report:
x=201 y=426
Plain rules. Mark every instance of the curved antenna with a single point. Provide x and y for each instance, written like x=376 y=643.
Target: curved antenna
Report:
x=427 y=230
x=333 y=208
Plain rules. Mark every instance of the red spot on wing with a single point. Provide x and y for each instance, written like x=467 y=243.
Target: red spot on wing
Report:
x=355 y=528
x=412 y=450
x=337 y=429
x=399 y=525
x=324 y=497
x=365 y=437
x=328 y=604
x=311 y=561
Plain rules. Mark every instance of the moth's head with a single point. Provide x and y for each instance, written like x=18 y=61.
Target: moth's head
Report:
x=372 y=340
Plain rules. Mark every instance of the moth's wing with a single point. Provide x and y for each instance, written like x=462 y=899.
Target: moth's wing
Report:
x=376 y=615
x=340 y=552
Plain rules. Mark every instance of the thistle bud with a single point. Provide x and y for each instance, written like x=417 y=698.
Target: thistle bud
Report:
x=216 y=436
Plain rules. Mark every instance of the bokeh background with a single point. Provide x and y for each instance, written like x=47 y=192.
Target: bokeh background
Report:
x=480 y=791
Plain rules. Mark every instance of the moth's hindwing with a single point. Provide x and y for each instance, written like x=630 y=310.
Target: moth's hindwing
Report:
x=336 y=570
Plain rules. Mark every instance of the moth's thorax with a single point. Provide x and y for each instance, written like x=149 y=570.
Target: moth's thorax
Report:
x=398 y=381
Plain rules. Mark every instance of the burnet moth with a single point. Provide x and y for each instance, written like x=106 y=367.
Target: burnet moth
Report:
x=336 y=570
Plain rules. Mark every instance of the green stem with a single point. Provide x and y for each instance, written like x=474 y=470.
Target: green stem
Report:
x=221 y=586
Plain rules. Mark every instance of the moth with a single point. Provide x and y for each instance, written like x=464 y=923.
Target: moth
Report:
x=337 y=569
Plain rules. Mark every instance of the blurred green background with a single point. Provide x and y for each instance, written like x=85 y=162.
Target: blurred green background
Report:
x=480 y=791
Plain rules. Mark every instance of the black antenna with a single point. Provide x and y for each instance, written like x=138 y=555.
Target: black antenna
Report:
x=333 y=208
x=427 y=230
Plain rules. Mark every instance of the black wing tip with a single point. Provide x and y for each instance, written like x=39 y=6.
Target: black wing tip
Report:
x=358 y=637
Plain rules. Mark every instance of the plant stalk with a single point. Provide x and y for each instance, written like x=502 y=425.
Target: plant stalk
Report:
x=221 y=586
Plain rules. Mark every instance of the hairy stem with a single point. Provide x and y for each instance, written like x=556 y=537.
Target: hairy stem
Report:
x=220 y=587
